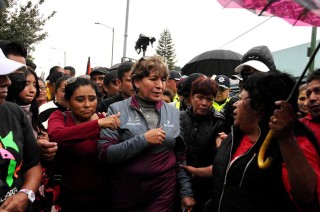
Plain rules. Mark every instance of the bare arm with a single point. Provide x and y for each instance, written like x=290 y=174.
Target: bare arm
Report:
x=301 y=175
x=19 y=201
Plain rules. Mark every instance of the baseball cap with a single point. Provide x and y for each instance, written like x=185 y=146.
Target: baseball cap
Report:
x=8 y=66
x=112 y=76
x=184 y=88
x=237 y=77
x=259 y=58
x=101 y=70
x=174 y=75
x=223 y=81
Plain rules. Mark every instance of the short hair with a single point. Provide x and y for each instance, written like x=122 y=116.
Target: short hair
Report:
x=71 y=69
x=265 y=89
x=14 y=48
x=79 y=81
x=205 y=86
x=145 y=65
x=124 y=68
x=314 y=76
x=31 y=64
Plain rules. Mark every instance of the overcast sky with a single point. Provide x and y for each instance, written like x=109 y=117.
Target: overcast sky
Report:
x=196 y=26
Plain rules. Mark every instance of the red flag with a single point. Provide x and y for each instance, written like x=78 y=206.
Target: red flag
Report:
x=88 y=67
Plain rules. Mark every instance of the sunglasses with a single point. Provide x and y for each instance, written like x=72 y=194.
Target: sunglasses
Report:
x=73 y=79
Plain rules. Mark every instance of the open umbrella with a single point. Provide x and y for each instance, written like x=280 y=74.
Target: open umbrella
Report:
x=296 y=12
x=218 y=62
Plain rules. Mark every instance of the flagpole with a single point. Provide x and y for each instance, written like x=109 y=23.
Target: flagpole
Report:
x=88 y=71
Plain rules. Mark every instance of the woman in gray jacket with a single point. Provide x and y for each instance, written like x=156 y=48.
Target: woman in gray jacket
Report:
x=145 y=152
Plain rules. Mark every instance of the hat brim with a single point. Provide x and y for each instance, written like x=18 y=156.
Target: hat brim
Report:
x=236 y=77
x=8 y=66
x=260 y=66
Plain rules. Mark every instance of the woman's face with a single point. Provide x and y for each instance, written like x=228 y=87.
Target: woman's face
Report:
x=83 y=103
x=30 y=90
x=303 y=102
x=43 y=91
x=59 y=95
x=244 y=116
x=201 y=104
x=151 y=87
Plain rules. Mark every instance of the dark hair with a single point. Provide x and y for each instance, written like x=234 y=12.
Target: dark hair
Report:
x=59 y=82
x=124 y=68
x=31 y=64
x=314 y=76
x=71 y=87
x=71 y=69
x=168 y=92
x=55 y=76
x=265 y=89
x=205 y=86
x=14 y=91
x=14 y=48
x=145 y=65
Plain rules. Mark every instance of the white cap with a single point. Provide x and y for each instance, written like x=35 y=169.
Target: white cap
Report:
x=8 y=66
x=256 y=64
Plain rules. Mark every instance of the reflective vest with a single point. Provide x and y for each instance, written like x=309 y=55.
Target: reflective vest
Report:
x=219 y=107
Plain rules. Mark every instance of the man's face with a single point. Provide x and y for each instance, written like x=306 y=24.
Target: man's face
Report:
x=126 y=85
x=222 y=94
x=98 y=80
x=19 y=59
x=313 y=95
x=172 y=85
x=247 y=71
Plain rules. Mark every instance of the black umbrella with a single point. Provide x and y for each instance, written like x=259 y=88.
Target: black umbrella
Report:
x=218 y=62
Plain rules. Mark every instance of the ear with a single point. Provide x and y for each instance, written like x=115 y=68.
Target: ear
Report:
x=118 y=82
x=137 y=83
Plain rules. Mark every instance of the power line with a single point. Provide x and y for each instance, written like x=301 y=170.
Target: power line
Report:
x=245 y=33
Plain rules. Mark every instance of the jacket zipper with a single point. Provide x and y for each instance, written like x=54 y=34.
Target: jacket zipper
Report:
x=230 y=164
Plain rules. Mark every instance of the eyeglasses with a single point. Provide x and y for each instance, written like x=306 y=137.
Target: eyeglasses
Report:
x=43 y=88
x=73 y=79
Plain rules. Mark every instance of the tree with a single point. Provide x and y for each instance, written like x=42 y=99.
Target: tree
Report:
x=166 y=49
x=23 y=23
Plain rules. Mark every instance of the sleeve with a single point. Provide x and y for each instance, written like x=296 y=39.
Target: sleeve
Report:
x=112 y=150
x=182 y=175
x=30 y=146
x=69 y=135
x=313 y=158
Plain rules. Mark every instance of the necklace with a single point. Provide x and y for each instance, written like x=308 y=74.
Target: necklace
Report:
x=146 y=112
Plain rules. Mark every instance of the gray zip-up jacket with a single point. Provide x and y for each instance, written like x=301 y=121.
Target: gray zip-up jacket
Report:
x=128 y=152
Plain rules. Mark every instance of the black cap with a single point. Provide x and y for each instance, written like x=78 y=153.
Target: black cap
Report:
x=222 y=81
x=174 y=75
x=184 y=88
x=101 y=70
x=258 y=57
x=111 y=76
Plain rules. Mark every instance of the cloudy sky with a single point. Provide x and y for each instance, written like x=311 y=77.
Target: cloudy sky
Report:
x=196 y=26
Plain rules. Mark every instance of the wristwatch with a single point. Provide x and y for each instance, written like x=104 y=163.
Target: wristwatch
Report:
x=29 y=193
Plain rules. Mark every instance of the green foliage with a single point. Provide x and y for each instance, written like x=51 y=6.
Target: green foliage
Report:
x=166 y=49
x=23 y=23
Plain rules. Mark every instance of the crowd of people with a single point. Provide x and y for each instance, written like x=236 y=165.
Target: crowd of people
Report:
x=145 y=138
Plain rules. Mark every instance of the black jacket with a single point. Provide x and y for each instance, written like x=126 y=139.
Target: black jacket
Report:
x=104 y=104
x=200 y=133
x=241 y=185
